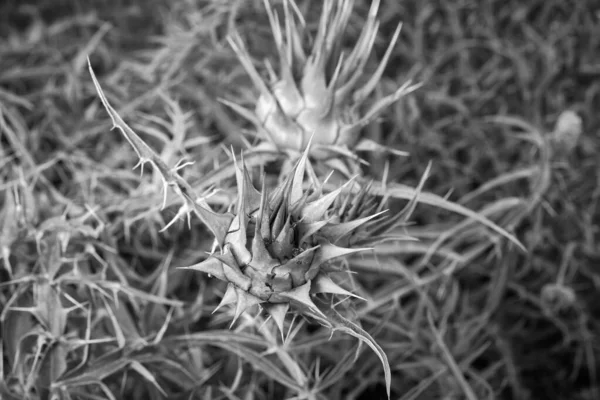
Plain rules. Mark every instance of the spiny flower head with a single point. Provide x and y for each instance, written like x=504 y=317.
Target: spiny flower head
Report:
x=279 y=245
x=320 y=89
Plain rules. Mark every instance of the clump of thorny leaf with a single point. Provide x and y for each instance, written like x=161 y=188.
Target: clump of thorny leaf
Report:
x=221 y=226
x=63 y=305
x=217 y=224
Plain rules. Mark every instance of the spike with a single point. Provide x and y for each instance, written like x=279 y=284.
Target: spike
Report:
x=361 y=94
x=335 y=232
x=211 y=266
x=236 y=43
x=229 y=297
x=298 y=176
x=412 y=204
x=344 y=206
x=305 y=230
x=286 y=91
x=301 y=295
x=339 y=25
x=217 y=223
x=316 y=210
x=263 y=220
x=245 y=300
x=371 y=113
x=253 y=195
x=246 y=190
x=372 y=146
x=360 y=198
x=339 y=165
x=278 y=313
x=326 y=253
x=324 y=284
x=357 y=60
x=306 y=196
x=284 y=191
x=261 y=258
x=313 y=84
x=237 y=236
x=360 y=53
x=231 y=270
x=245 y=113
x=278 y=220
x=283 y=245
x=294 y=35
x=35 y=311
x=279 y=192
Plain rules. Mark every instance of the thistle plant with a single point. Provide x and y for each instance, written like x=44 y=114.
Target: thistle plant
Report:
x=320 y=89
x=276 y=249
x=108 y=285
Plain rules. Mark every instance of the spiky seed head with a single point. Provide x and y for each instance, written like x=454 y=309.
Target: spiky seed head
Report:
x=321 y=89
x=278 y=248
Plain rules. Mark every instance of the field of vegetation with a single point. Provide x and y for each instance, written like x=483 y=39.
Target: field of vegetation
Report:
x=172 y=227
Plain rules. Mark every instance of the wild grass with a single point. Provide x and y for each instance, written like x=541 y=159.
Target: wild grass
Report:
x=94 y=302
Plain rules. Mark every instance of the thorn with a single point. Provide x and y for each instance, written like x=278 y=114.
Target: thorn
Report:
x=306 y=230
x=229 y=297
x=283 y=243
x=180 y=213
x=227 y=257
x=324 y=284
x=245 y=300
x=334 y=232
x=314 y=211
x=217 y=223
x=301 y=295
x=253 y=196
x=298 y=177
x=140 y=164
x=278 y=312
x=164 y=190
x=328 y=252
x=211 y=266
x=178 y=167
x=263 y=228
x=261 y=258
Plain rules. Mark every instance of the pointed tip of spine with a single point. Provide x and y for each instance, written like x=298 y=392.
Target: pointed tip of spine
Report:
x=211 y=266
x=301 y=295
x=278 y=313
x=330 y=251
x=315 y=211
x=218 y=224
x=229 y=297
x=335 y=232
x=324 y=284
x=298 y=177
